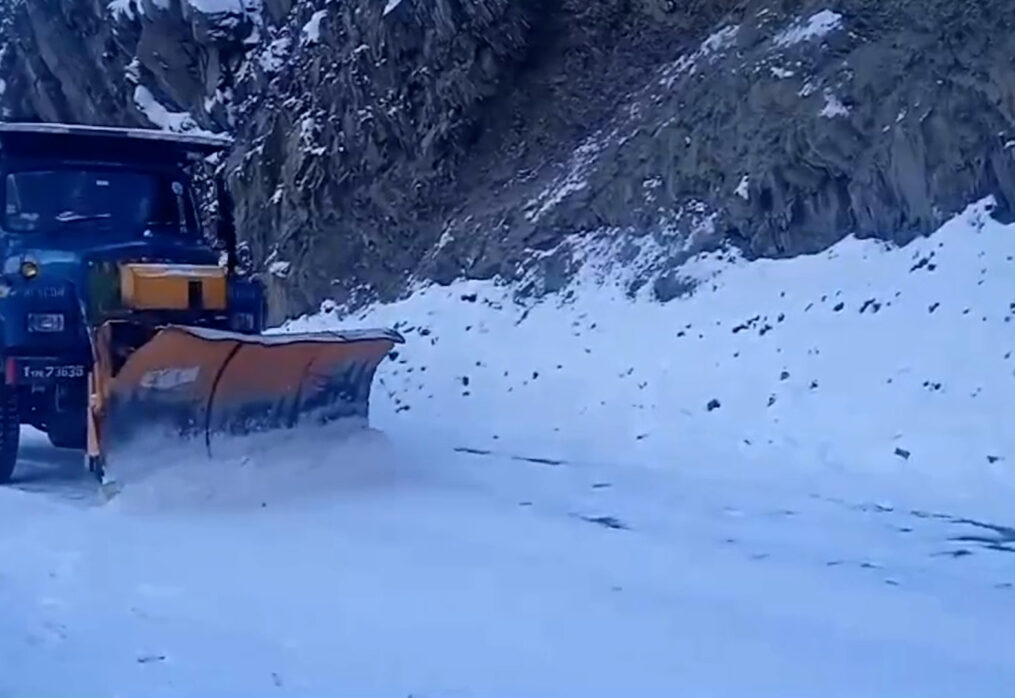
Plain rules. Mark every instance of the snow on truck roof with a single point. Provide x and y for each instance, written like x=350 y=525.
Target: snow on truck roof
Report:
x=203 y=143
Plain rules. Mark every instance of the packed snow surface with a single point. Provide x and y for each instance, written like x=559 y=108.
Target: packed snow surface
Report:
x=794 y=480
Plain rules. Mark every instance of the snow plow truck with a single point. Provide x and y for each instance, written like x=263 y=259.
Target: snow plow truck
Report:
x=123 y=313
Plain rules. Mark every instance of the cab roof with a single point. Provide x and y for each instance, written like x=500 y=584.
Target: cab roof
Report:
x=108 y=143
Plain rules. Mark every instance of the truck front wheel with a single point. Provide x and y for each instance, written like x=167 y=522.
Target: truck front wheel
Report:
x=68 y=433
x=10 y=433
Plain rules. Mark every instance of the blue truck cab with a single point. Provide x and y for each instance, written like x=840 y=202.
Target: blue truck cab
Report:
x=75 y=202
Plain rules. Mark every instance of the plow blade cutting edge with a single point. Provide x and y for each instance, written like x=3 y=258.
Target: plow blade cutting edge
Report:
x=193 y=383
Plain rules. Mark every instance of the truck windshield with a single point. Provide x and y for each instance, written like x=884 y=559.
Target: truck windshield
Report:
x=131 y=202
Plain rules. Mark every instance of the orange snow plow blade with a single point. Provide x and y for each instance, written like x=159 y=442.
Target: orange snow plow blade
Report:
x=194 y=383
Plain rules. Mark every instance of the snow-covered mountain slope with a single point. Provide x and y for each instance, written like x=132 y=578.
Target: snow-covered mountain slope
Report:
x=555 y=508
x=866 y=358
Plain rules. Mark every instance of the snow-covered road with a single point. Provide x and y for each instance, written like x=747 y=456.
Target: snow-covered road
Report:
x=462 y=574
x=795 y=481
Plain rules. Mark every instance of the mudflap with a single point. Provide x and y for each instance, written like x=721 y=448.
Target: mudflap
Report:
x=188 y=384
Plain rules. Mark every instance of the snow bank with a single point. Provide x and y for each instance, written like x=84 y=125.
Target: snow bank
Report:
x=863 y=358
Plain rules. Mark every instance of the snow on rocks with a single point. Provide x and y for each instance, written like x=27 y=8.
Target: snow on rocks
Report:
x=274 y=55
x=814 y=27
x=279 y=268
x=312 y=29
x=713 y=47
x=743 y=189
x=163 y=118
x=833 y=106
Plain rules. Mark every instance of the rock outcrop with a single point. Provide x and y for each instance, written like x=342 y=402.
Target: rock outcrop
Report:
x=379 y=141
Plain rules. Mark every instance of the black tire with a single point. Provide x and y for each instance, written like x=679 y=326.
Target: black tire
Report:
x=10 y=433
x=68 y=434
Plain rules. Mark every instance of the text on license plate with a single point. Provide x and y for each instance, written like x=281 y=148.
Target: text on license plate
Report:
x=51 y=372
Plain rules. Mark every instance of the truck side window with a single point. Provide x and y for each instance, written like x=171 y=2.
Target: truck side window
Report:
x=11 y=195
x=16 y=217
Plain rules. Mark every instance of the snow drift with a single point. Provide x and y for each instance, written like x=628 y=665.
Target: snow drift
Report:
x=868 y=358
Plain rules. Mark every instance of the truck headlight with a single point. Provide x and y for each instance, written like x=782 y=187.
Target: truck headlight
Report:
x=45 y=322
x=29 y=269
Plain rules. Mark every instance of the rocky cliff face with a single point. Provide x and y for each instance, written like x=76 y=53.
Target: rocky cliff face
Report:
x=381 y=141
